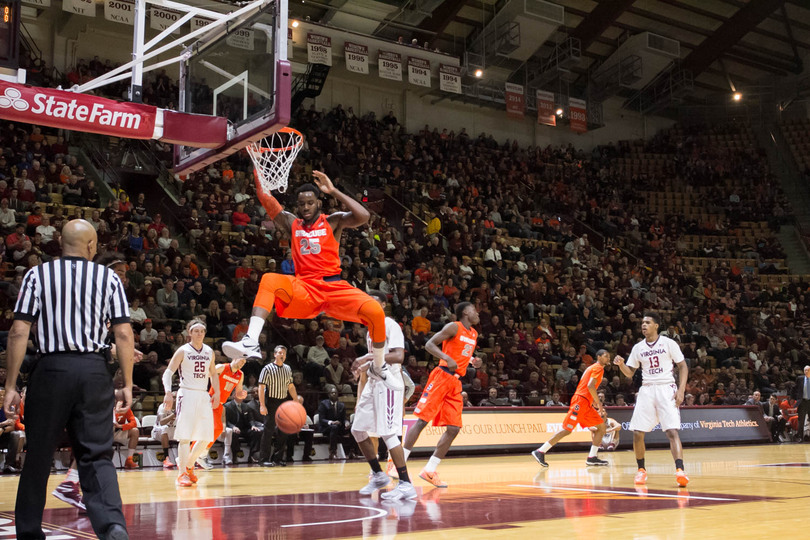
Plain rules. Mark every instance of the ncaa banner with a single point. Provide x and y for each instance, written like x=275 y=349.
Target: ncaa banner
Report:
x=161 y=19
x=356 y=58
x=319 y=49
x=120 y=11
x=419 y=71
x=40 y=3
x=515 y=103
x=78 y=112
x=80 y=7
x=545 y=108
x=389 y=65
x=578 y=114
x=450 y=79
x=241 y=39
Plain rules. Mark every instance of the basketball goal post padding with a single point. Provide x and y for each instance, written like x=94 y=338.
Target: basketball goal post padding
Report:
x=93 y=114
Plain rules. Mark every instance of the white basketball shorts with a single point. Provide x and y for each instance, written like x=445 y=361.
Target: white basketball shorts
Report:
x=655 y=404
x=379 y=409
x=195 y=419
x=158 y=431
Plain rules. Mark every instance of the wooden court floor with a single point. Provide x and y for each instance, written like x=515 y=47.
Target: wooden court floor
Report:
x=735 y=492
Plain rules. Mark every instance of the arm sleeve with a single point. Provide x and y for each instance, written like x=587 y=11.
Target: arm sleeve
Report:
x=131 y=423
x=167 y=380
x=27 y=308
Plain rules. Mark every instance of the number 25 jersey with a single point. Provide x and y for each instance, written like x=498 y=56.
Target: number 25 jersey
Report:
x=314 y=249
x=194 y=367
x=656 y=360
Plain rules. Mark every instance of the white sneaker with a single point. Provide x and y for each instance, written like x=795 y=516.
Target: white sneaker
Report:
x=404 y=490
x=202 y=462
x=247 y=348
x=378 y=481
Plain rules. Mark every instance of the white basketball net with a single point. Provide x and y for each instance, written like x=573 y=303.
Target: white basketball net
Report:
x=273 y=157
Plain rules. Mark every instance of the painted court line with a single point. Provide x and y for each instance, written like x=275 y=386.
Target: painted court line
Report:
x=379 y=512
x=615 y=492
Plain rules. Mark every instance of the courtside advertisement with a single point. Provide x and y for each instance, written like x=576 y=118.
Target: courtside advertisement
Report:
x=525 y=428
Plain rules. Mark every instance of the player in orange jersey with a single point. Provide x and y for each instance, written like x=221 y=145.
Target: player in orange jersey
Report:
x=316 y=286
x=230 y=378
x=441 y=400
x=586 y=410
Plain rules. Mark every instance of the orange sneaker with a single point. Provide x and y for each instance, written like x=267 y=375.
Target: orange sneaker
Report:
x=183 y=480
x=191 y=475
x=432 y=478
x=391 y=470
x=641 y=477
x=167 y=464
x=681 y=478
x=130 y=463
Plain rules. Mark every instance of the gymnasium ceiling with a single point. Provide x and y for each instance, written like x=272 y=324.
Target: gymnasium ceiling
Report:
x=723 y=42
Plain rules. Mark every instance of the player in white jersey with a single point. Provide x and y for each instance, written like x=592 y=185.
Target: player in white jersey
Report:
x=379 y=411
x=659 y=397
x=163 y=431
x=195 y=419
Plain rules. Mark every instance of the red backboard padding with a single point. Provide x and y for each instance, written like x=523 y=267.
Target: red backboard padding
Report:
x=198 y=130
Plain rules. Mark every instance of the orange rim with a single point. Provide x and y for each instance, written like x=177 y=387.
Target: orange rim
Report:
x=289 y=130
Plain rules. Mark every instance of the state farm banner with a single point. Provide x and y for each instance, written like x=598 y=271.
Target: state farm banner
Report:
x=79 y=112
x=515 y=103
x=319 y=49
x=545 y=108
x=578 y=115
x=121 y=11
x=450 y=79
x=80 y=7
x=356 y=58
x=161 y=19
x=389 y=65
x=40 y=3
x=241 y=39
x=419 y=71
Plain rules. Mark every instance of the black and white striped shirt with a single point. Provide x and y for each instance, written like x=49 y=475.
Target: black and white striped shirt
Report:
x=71 y=299
x=277 y=379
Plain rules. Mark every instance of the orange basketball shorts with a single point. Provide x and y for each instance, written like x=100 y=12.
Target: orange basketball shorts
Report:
x=441 y=401
x=218 y=427
x=311 y=296
x=581 y=412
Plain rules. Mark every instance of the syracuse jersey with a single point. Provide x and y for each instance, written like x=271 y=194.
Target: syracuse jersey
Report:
x=460 y=348
x=595 y=372
x=228 y=380
x=314 y=249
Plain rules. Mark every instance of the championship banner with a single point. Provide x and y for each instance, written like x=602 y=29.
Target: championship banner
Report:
x=241 y=39
x=77 y=112
x=319 y=49
x=389 y=65
x=450 y=79
x=419 y=71
x=40 y=3
x=578 y=115
x=356 y=58
x=120 y=11
x=545 y=108
x=524 y=428
x=80 y=7
x=161 y=19
x=515 y=104
x=199 y=22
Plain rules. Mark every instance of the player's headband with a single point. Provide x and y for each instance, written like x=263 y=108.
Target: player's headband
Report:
x=196 y=324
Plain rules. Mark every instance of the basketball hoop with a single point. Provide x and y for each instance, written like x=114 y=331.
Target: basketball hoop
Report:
x=273 y=157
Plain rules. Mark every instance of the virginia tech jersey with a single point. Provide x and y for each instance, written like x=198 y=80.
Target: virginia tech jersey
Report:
x=194 y=367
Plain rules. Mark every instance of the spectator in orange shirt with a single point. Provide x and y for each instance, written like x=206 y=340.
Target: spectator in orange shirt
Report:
x=126 y=434
x=420 y=324
x=331 y=338
x=240 y=330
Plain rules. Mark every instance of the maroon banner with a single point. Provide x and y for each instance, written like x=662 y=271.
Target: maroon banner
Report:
x=79 y=112
x=545 y=108
x=515 y=104
x=578 y=115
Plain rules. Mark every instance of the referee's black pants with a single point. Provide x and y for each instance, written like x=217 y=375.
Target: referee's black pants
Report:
x=272 y=438
x=72 y=391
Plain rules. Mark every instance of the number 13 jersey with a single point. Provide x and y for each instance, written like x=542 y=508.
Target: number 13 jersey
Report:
x=656 y=360
x=194 y=367
x=314 y=249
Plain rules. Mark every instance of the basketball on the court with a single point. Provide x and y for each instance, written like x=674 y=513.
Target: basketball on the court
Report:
x=291 y=417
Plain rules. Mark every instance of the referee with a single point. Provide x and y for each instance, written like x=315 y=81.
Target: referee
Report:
x=275 y=382
x=70 y=386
